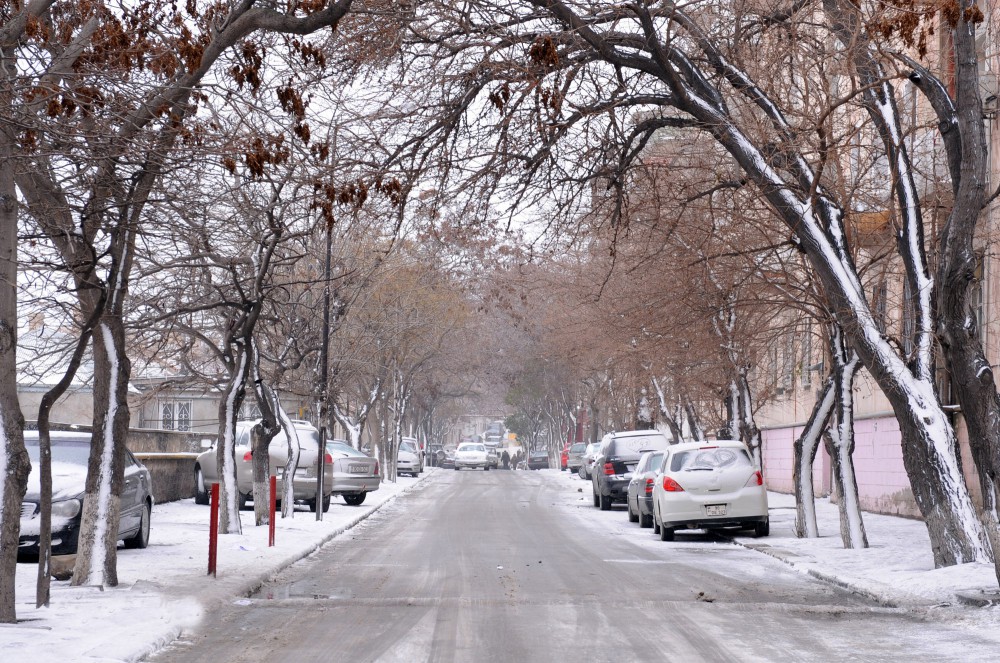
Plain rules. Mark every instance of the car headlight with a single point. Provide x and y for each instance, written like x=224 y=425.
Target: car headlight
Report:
x=65 y=508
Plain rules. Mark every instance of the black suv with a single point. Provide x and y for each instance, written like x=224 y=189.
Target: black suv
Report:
x=616 y=461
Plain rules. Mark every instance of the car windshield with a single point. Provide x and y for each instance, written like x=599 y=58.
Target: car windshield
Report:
x=74 y=452
x=406 y=445
x=709 y=459
x=343 y=448
x=472 y=447
x=577 y=448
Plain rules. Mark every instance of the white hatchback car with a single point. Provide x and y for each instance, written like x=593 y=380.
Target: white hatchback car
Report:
x=472 y=454
x=705 y=485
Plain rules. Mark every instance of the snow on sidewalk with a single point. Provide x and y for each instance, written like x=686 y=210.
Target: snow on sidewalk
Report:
x=897 y=569
x=165 y=588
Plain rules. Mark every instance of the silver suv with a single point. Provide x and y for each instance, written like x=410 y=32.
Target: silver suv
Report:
x=205 y=473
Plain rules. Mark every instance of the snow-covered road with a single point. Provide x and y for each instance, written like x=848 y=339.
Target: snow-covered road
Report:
x=506 y=566
x=572 y=576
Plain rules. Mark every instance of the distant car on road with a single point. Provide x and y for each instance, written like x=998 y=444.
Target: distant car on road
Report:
x=706 y=485
x=616 y=461
x=70 y=451
x=472 y=454
x=589 y=456
x=304 y=483
x=640 y=488
x=538 y=460
x=409 y=459
x=355 y=473
x=574 y=459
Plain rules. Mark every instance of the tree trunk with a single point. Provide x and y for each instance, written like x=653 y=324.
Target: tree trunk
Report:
x=229 y=408
x=731 y=431
x=749 y=432
x=14 y=463
x=291 y=466
x=804 y=456
x=840 y=443
x=96 y=557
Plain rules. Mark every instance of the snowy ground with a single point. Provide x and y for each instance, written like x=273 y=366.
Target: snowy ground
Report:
x=164 y=589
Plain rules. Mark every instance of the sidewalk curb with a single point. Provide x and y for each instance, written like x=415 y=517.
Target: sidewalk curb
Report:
x=825 y=577
x=979 y=598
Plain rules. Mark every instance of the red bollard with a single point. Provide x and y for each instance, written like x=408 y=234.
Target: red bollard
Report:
x=270 y=520
x=213 y=530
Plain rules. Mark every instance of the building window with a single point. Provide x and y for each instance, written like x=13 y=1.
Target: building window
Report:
x=805 y=367
x=880 y=295
x=175 y=415
x=909 y=319
x=184 y=416
x=249 y=410
x=167 y=416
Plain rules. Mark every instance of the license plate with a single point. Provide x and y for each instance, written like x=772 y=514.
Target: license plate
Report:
x=358 y=469
x=715 y=509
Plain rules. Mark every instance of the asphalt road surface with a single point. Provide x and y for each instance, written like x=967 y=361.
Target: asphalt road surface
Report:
x=518 y=566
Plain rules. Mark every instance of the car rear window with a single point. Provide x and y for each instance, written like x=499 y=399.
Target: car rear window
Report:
x=74 y=452
x=578 y=447
x=344 y=448
x=652 y=461
x=709 y=459
x=636 y=443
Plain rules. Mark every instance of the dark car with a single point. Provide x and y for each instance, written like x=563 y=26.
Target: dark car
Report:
x=618 y=456
x=640 y=488
x=448 y=458
x=70 y=451
x=538 y=460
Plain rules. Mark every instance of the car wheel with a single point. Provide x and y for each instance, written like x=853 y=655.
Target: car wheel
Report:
x=486 y=469
x=456 y=468
x=141 y=538
x=762 y=528
x=597 y=500
x=200 y=489
x=666 y=533
x=645 y=520
x=632 y=518
x=605 y=503
x=656 y=524
x=326 y=504
x=355 y=500
x=242 y=500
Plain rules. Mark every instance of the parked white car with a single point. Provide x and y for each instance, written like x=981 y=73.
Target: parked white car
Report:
x=472 y=454
x=409 y=460
x=705 y=485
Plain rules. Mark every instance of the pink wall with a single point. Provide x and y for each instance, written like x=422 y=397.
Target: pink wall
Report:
x=779 y=464
x=883 y=486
